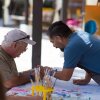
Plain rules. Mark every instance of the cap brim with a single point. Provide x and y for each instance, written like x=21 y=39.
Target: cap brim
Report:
x=29 y=41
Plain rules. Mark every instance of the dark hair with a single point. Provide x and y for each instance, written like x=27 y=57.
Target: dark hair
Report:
x=59 y=29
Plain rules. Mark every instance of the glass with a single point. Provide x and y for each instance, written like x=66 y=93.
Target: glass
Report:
x=27 y=37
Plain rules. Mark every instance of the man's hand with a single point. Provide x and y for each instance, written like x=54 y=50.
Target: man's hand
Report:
x=84 y=81
x=43 y=69
x=80 y=82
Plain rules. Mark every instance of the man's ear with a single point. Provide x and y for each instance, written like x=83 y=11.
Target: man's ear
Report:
x=14 y=44
x=59 y=38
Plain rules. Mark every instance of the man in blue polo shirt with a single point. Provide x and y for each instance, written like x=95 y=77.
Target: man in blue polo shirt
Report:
x=80 y=49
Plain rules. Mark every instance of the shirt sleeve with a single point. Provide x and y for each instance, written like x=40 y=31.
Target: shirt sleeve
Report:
x=6 y=70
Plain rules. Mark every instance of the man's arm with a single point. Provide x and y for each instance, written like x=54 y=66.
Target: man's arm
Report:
x=65 y=74
x=83 y=81
x=18 y=79
x=23 y=98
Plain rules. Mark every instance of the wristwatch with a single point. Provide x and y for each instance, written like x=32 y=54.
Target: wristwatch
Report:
x=53 y=72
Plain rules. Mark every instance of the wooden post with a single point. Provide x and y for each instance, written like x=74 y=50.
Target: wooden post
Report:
x=37 y=32
x=26 y=11
x=64 y=10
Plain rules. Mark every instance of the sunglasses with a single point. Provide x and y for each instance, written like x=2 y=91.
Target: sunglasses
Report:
x=27 y=37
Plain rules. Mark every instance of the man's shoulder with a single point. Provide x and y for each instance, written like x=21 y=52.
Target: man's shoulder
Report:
x=84 y=36
x=2 y=55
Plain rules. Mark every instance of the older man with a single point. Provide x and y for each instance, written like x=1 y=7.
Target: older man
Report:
x=15 y=42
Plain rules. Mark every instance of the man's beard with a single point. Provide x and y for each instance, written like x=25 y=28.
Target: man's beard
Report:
x=62 y=49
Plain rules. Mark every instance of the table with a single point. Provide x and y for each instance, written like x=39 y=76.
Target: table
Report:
x=74 y=92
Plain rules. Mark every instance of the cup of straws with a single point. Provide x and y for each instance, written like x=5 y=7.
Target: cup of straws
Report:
x=43 y=87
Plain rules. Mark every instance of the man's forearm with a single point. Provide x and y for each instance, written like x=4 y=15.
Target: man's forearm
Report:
x=60 y=75
x=15 y=81
x=20 y=79
x=23 y=98
x=65 y=74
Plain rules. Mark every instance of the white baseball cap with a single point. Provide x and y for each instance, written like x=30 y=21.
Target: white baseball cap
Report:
x=18 y=35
